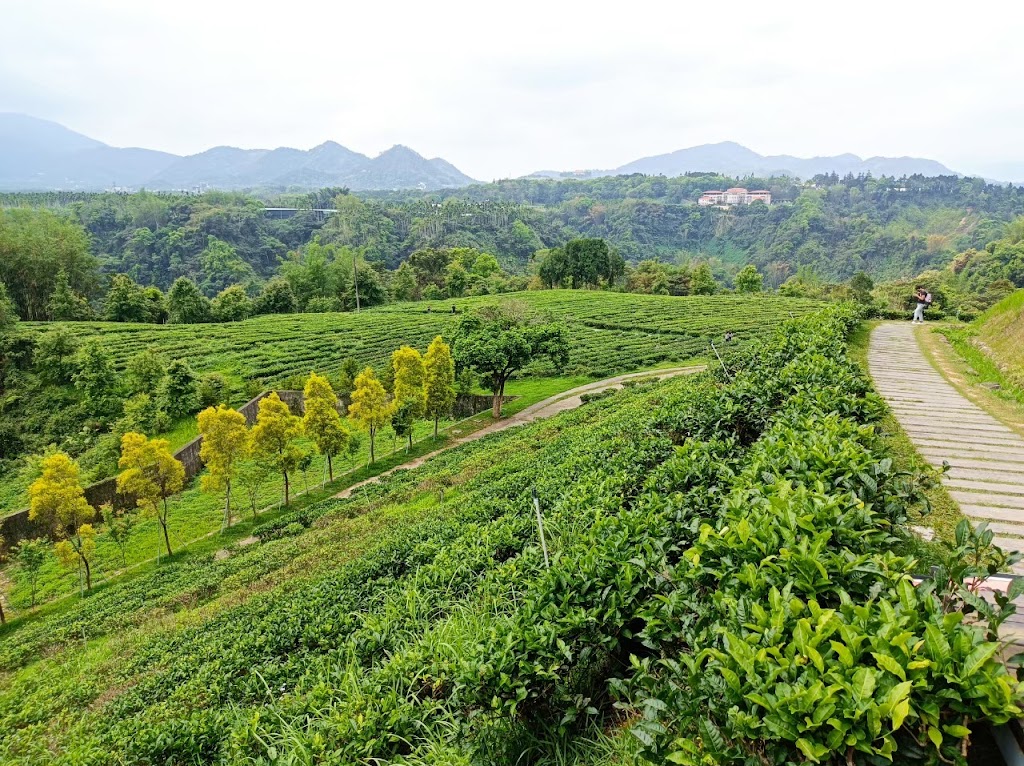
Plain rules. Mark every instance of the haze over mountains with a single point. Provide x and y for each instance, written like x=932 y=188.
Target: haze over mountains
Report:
x=732 y=159
x=37 y=155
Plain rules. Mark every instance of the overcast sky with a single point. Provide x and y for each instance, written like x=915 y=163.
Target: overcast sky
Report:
x=506 y=88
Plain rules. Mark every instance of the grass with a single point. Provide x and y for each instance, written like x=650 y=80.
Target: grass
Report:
x=945 y=513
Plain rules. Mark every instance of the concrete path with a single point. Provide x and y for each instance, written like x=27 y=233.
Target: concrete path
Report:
x=567 y=400
x=987 y=458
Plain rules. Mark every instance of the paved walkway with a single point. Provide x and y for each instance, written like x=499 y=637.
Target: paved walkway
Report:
x=567 y=400
x=987 y=458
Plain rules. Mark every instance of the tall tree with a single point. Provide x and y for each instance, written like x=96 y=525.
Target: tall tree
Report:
x=65 y=305
x=749 y=279
x=57 y=501
x=702 y=281
x=54 y=356
x=126 y=301
x=497 y=341
x=439 y=367
x=321 y=421
x=97 y=379
x=146 y=371
x=274 y=435
x=180 y=389
x=186 y=304
x=410 y=394
x=370 y=408
x=403 y=283
x=225 y=444
x=232 y=304
x=35 y=246
x=151 y=473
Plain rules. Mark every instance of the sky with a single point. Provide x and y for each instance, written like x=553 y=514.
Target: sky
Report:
x=503 y=89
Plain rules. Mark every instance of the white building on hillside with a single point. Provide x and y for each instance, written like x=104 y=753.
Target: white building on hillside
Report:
x=735 y=196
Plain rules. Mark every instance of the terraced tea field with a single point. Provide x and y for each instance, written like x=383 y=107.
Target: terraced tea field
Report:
x=610 y=332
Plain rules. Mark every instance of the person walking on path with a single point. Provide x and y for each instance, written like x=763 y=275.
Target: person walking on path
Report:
x=921 y=297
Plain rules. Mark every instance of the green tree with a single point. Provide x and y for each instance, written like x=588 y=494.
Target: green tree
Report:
x=126 y=301
x=35 y=246
x=179 y=391
x=403 y=283
x=231 y=305
x=119 y=529
x=749 y=279
x=156 y=305
x=702 y=281
x=54 y=356
x=213 y=388
x=370 y=408
x=143 y=413
x=347 y=377
x=225 y=444
x=485 y=264
x=97 y=379
x=274 y=435
x=455 y=280
x=497 y=341
x=8 y=311
x=410 y=392
x=439 y=370
x=186 y=304
x=861 y=285
x=31 y=555
x=322 y=422
x=277 y=297
x=57 y=502
x=65 y=305
x=146 y=371
x=152 y=474
x=222 y=266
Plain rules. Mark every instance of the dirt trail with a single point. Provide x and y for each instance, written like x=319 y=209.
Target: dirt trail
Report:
x=566 y=400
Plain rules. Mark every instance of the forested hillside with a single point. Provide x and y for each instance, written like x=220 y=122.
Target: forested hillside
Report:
x=886 y=227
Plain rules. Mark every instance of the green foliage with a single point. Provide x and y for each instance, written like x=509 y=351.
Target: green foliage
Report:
x=96 y=379
x=749 y=280
x=126 y=301
x=54 y=356
x=146 y=372
x=36 y=246
x=30 y=556
x=232 y=304
x=276 y=298
x=213 y=389
x=497 y=341
x=65 y=305
x=702 y=281
x=180 y=390
x=186 y=304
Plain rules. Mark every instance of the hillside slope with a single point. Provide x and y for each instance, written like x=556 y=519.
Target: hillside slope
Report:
x=740 y=528
x=1001 y=330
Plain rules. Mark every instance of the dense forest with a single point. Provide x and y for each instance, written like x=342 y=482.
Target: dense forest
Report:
x=887 y=227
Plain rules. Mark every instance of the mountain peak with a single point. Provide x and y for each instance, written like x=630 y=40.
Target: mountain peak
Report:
x=38 y=155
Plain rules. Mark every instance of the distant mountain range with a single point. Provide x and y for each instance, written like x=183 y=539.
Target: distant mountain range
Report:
x=40 y=155
x=732 y=159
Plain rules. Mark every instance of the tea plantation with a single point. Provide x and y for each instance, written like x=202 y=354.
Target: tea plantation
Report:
x=726 y=581
x=611 y=332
